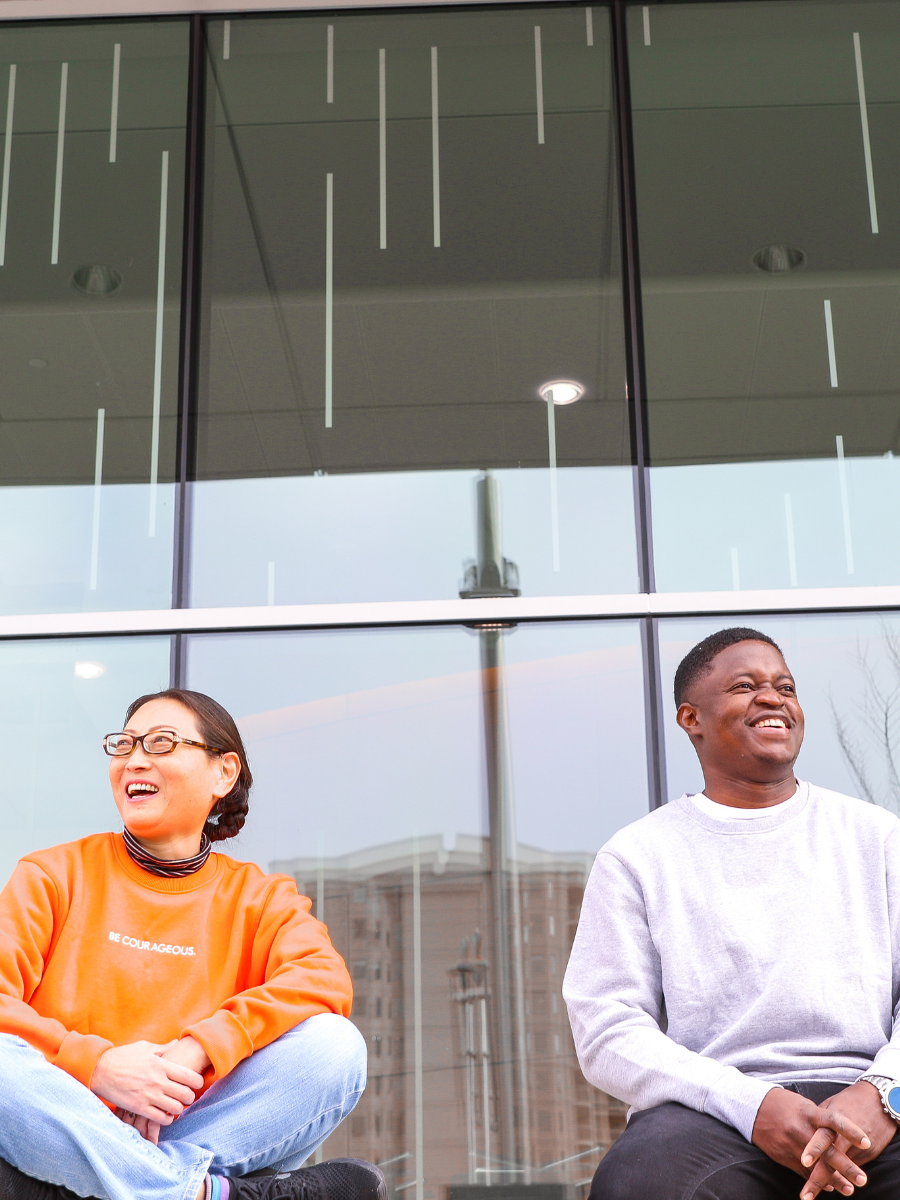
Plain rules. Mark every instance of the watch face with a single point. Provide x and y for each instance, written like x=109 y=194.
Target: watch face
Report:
x=893 y=1101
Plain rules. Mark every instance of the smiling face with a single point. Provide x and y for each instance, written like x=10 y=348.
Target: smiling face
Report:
x=164 y=800
x=743 y=716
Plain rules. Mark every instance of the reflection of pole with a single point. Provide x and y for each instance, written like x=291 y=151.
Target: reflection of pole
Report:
x=417 y=1022
x=519 y=968
x=492 y=697
x=494 y=575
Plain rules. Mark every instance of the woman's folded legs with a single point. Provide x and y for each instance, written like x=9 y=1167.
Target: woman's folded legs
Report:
x=54 y=1129
x=273 y=1110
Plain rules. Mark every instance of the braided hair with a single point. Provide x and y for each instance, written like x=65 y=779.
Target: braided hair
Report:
x=217 y=727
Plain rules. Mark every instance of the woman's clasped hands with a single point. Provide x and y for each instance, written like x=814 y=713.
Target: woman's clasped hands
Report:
x=150 y=1084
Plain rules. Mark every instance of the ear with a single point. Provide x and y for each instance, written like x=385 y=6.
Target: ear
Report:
x=229 y=770
x=689 y=719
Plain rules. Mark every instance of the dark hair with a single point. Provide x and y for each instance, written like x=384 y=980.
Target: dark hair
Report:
x=697 y=662
x=216 y=727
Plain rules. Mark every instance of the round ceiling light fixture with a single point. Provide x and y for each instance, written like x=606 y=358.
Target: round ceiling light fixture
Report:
x=778 y=258
x=561 y=391
x=89 y=670
x=94 y=279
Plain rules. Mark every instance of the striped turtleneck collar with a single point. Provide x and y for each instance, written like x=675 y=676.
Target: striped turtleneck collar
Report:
x=168 y=868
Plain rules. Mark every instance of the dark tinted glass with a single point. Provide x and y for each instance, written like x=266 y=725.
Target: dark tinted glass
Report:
x=92 y=129
x=768 y=155
x=412 y=230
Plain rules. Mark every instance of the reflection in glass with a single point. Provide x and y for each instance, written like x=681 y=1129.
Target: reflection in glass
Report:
x=90 y=244
x=771 y=278
x=440 y=794
x=57 y=701
x=847 y=670
x=413 y=231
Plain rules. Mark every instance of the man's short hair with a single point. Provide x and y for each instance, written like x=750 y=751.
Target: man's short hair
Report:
x=697 y=662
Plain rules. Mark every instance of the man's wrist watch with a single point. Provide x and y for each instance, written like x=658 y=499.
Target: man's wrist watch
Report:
x=889 y=1090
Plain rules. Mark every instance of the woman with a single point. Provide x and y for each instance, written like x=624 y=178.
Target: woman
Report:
x=173 y=1023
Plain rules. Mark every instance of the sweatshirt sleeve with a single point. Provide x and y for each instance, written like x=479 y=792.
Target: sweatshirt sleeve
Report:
x=303 y=975
x=887 y=1060
x=614 y=995
x=31 y=911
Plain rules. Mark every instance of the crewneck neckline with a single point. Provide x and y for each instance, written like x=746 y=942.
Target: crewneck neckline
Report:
x=161 y=883
x=727 y=812
x=777 y=815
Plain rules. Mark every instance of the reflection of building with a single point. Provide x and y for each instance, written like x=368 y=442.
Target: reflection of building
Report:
x=368 y=900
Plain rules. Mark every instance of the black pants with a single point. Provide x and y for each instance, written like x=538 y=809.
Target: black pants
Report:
x=674 y=1153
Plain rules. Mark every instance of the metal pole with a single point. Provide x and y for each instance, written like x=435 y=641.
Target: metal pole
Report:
x=189 y=336
x=636 y=384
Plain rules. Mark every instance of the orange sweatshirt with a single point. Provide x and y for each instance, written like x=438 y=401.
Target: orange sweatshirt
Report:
x=97 y=952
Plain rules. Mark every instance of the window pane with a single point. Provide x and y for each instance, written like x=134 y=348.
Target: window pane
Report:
x=847 y=670
x=58 y=699
x=90 y=256
x=369 y=751
x=404 y=247
x=771 y=286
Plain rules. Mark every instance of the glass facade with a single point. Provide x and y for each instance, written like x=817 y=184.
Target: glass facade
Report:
x=90 y=277
x=472 y=310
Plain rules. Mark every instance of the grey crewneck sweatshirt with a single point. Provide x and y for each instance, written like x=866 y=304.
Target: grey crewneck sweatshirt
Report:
x=716 y=959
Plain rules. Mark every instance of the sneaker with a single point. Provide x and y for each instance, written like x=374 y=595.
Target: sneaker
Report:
x=16 y=1186
x=339 y=1179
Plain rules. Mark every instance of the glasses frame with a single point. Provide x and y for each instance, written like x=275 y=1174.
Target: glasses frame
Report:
x=155 y=753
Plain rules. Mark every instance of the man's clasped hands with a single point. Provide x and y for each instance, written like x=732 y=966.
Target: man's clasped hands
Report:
x=150 y=1084
x=828 y=1143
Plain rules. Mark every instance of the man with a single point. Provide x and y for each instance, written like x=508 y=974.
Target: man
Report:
x=735 y=976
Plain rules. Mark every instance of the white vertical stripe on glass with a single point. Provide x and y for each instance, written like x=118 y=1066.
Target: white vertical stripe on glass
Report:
x=554 y=494
x=158 y=345
x=589 y=25
x=845 y=503
x=320 y=916
x=735 y=569
x=382 y=152
x=864 y=119
x=329 y=296
x=417 y=1023
x=7 y=153
x=270 y=588
x=114 y=108
x=60 y=146
x=98 y=485
x=539 y=84
x=789 y=527
x=829 y=336
x=435 y=149
x=226 y=40
x=646 y=24
x=486 y=1090
x=329 y=80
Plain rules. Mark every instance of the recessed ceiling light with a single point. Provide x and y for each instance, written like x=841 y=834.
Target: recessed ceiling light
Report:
x=561 y=391
x=89 y=670
x=778 y=258
x=96 y=280
x=37 y=362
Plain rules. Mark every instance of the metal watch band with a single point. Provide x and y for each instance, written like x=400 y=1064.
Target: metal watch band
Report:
x=883 y=1084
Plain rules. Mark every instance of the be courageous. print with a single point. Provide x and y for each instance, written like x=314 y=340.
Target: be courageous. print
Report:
x=159 y=947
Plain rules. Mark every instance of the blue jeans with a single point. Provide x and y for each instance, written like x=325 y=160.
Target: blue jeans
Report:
x=274 y=1109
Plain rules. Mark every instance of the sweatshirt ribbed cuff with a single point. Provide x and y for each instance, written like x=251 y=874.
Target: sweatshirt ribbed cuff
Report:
x=79 y=1054
x=736 y=1099
x=887 y=1062
x=224 y=1039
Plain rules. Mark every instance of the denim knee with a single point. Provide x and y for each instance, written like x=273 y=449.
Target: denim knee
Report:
x=346 y=1047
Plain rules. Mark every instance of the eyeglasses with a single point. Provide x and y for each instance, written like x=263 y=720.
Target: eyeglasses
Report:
x=120 y=745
